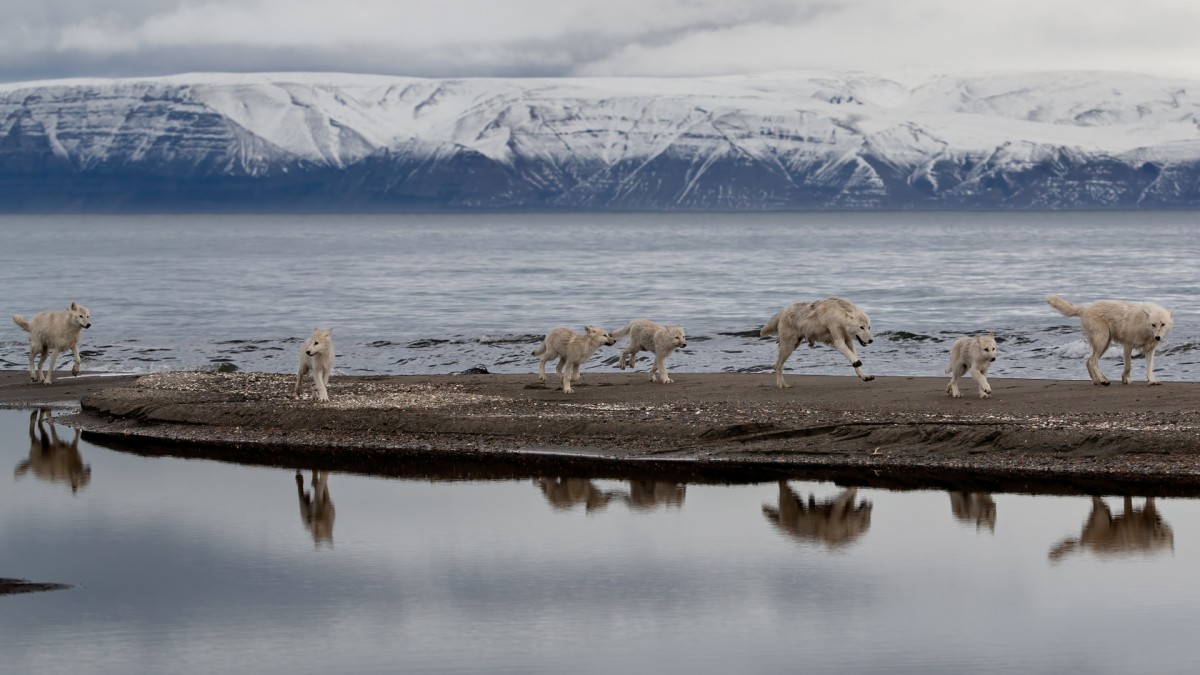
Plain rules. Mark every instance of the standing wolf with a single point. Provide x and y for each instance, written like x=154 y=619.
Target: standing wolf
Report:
x=54 y=332
x=571 y=349
x=648 y=336
x=832 y=321
x=316 y=359
x=1140 y=325
x=971 y=355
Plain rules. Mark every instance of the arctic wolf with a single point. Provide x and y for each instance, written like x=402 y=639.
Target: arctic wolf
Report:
x=971 y=355
x=54 y=332
x=316 y=359
x=650 y=337
x=571 y=349
x=1135 y=325
x=832 y=321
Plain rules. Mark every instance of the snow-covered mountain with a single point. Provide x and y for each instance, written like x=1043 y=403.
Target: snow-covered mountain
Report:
x=803 y=140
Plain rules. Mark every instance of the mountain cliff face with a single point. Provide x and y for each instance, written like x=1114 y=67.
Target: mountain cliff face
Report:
x=810 y=140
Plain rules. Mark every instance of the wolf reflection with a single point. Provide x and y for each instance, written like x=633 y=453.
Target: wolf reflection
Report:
x=835 y=522
x=316 y=509
x=1134 y=532
x=564 y=494
x=50 y=458
x=974 y=508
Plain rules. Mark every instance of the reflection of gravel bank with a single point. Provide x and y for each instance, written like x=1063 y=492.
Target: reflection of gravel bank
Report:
x=1030 y=427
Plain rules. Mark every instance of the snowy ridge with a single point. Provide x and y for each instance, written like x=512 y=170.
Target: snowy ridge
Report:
x=805 y=139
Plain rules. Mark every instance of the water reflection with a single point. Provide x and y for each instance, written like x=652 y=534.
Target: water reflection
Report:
x=974 y=508
x=835 y=522
x=1134 y=532
x=564 y=494
x=50 y=458
x=316 y=508
x=647 y=495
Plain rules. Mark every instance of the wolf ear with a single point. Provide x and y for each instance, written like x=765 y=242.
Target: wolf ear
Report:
x=329 y=332
x=74 y=307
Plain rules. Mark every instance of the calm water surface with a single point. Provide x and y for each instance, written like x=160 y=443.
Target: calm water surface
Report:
x=444 y=293
x=187 y=566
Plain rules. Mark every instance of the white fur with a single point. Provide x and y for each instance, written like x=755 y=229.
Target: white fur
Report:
x=316 y=359
x=571 y=349
x=1134 y=325
x=971 y=355
x=54 y=332
x=648 y=336
x=832 y=321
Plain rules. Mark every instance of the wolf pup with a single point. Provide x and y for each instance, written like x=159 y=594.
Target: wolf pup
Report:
x=1135 y=325
x=316 y=359
x=54 y=332
x=971 y=355
x=650 y=337
x=571 y=349
x=832 y=321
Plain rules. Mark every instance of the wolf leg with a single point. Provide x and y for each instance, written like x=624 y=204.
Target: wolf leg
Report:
x=847 y=350
x=1125 y=372
x=50 y=371
x=787 y=344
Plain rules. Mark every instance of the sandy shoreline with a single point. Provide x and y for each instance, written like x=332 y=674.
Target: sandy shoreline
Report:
x=892 y=429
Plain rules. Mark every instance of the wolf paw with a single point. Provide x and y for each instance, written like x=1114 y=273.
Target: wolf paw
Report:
x=1154 y=383
x=955 y=394
x=985 y=394
x=868 y=378
x=667 y=380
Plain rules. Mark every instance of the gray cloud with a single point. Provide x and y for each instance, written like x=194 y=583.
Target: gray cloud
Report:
x=458 y=38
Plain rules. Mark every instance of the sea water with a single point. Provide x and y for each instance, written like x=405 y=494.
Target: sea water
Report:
x=443 y=293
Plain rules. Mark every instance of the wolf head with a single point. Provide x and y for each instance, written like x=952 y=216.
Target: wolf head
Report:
x=677 y=337
x=320 y=341
x=600 y=335
x=860 y=328
x=80 y=315
x=987 y=343
x=1159 y=321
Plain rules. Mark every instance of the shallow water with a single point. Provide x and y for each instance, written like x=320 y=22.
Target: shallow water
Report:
x=445 y=293
x=189 y=566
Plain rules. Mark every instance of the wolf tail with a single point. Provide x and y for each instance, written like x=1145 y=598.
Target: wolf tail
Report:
x=21 y=321
x=622 y=332
x=1063 y=306
x=772 y=325
x=540 y=350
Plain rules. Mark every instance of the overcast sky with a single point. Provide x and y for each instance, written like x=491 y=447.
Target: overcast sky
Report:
x=42 y=39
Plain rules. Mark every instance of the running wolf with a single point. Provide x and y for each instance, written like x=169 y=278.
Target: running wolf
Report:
x=648 y=336
x=971 y=355
x=316 y=360
x=832 y=321
x=571 y=349
x=1134 y=325
x=54 y=332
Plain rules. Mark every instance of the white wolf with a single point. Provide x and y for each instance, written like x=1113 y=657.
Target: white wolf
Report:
x=971 y=355
x=832 y=321
x=1140 y=325
x=54 y=332
x=316 y=359
x=648 y=336
x=571 y=349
